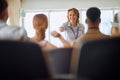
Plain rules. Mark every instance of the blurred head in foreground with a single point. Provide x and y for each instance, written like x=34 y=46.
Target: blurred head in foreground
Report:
x=3 y=10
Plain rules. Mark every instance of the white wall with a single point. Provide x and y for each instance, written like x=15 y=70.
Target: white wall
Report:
x=14 y=9
x=65 y=4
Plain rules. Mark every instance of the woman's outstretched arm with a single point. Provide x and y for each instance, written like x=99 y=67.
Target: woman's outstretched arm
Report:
x=58 y=35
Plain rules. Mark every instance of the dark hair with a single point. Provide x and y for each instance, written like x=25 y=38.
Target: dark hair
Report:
x=93 y=14
x=3 y=5
x=116 y=18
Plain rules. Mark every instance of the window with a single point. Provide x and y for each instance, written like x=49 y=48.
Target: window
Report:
x=56 y=20
x=83 y=18
x=57 y=17
x=116 y=11
x=28 y=24
x=106 y=19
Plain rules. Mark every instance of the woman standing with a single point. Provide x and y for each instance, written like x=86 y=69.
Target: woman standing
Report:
x=72 y=28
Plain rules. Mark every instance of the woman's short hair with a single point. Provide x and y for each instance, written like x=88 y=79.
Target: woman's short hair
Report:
x=3 y=5
x=75 y=11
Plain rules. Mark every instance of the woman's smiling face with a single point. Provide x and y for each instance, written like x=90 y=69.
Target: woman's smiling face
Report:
x=72 y=17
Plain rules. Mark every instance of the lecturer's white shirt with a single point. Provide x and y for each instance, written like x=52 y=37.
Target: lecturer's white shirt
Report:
x=70 y=32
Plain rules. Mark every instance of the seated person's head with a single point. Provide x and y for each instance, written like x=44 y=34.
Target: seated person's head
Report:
x=40 y=24
x=93 y=17
x=116 y=18
x=115 y=30
x=3 y=10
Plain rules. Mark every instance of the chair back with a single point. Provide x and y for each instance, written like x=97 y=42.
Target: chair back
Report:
x=22 y=60
x=60 y=60
x=100 y=60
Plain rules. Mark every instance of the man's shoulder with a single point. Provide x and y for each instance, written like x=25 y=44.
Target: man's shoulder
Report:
x=80 y=38
x=13 y=33
x=12 y=29
x=103 y=35
x=79 y=41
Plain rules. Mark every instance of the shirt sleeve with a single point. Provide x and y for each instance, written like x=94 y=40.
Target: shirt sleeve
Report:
x=64 y=25
x=13 y=33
